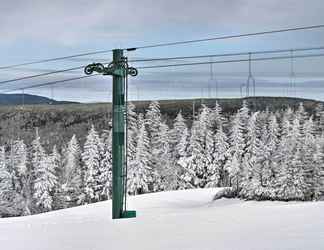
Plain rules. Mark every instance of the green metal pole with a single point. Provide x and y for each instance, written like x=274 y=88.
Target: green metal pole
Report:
x=119 y=69
x=118 y=137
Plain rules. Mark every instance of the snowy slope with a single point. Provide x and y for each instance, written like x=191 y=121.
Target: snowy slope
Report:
x=186 y=219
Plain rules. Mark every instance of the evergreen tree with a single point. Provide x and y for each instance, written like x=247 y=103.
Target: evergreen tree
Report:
x=44 y=177
x=132 y=132
x=6 y=187
x=236 y=151
x=253 y=162
x=165 y=174
x=217 y=174
x=72 y=175
x=139 y=170
x=91 y=160
x=217 y=117
x=178 y=147
x=153 y=122
x=292 y=176
x=105 y=178
x=56 y=166
x=318 y=172
x=308 y=148
x=194 y=158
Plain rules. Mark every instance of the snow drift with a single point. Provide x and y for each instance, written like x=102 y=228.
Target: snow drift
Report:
x=187 y=219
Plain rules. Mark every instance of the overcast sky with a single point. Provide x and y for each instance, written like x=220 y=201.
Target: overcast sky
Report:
x=38 y=29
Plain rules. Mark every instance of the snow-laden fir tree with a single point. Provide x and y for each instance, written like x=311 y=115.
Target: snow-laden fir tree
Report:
x=178 y=146
x=236 y=151
x=105 y=177
x=319 y=115
x=318 y=172
x=272 y=143
x=6 y=187
x=308 y=148
x=21 y=174
x=91 y=159
x=193 y=158
x=139 y=170
x=18 y=163
x=56 y=165
x=199 y=152
x=11 y=203
x=131 y=132
x=153 y=122
x=166 y=173
x=72 y=178
x=253 y=161
x=292 y=177
x=244 y=114
x=44 y=179
x=217 y=173
x=217 y=118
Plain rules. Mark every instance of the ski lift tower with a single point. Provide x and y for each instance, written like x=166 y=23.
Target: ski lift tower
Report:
x=119 y=70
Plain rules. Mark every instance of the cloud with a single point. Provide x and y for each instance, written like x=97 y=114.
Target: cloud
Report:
x=67 y=22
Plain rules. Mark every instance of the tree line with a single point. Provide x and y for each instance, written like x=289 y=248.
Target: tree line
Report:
x=260 y=155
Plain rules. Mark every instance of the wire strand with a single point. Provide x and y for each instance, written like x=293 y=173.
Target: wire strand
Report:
x=165 y=44
x=170 y=58
x=227 y=37
x=54 y=59
x=228 y=54
x=49 y=83
x=40 y=75
x=228 y=61
x=174 y=65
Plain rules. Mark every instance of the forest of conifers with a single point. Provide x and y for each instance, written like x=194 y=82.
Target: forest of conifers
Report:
x=260 y=155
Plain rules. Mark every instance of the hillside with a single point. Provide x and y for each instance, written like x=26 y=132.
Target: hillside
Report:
x=19 y=99
x=59 y=122
x=187 y=219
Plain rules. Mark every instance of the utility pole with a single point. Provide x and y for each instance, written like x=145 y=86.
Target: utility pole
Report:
x=119 y=70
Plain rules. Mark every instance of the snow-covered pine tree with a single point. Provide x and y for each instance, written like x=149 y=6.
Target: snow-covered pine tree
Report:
x=6 y=187
x=308 y=148
x=218 y=176
x=318 y=172
x=18 y=155
x=56 y=165
x=301 y=114
x=193 y=159
x=11 y=203
x=179 y=137
x=91 y=159
x=236 y=151
x=178 y=147
x=105 y=177
x=139 y=170
x=153 y=122
x=21 y=174
x=132 y=132
x=253 y=163
x=292 y=177
x=244 y=115
x=165 y=174
x=285 y=150
x=319 y=118
x=72 y=175
x=270 y=140
x=44 y=179
x=200 y=151
x=292 y=182
x=217 y=118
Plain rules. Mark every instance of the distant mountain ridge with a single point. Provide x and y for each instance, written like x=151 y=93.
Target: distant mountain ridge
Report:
x=19 y=99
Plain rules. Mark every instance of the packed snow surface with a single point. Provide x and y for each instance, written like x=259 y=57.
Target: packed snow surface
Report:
x=187 y=219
